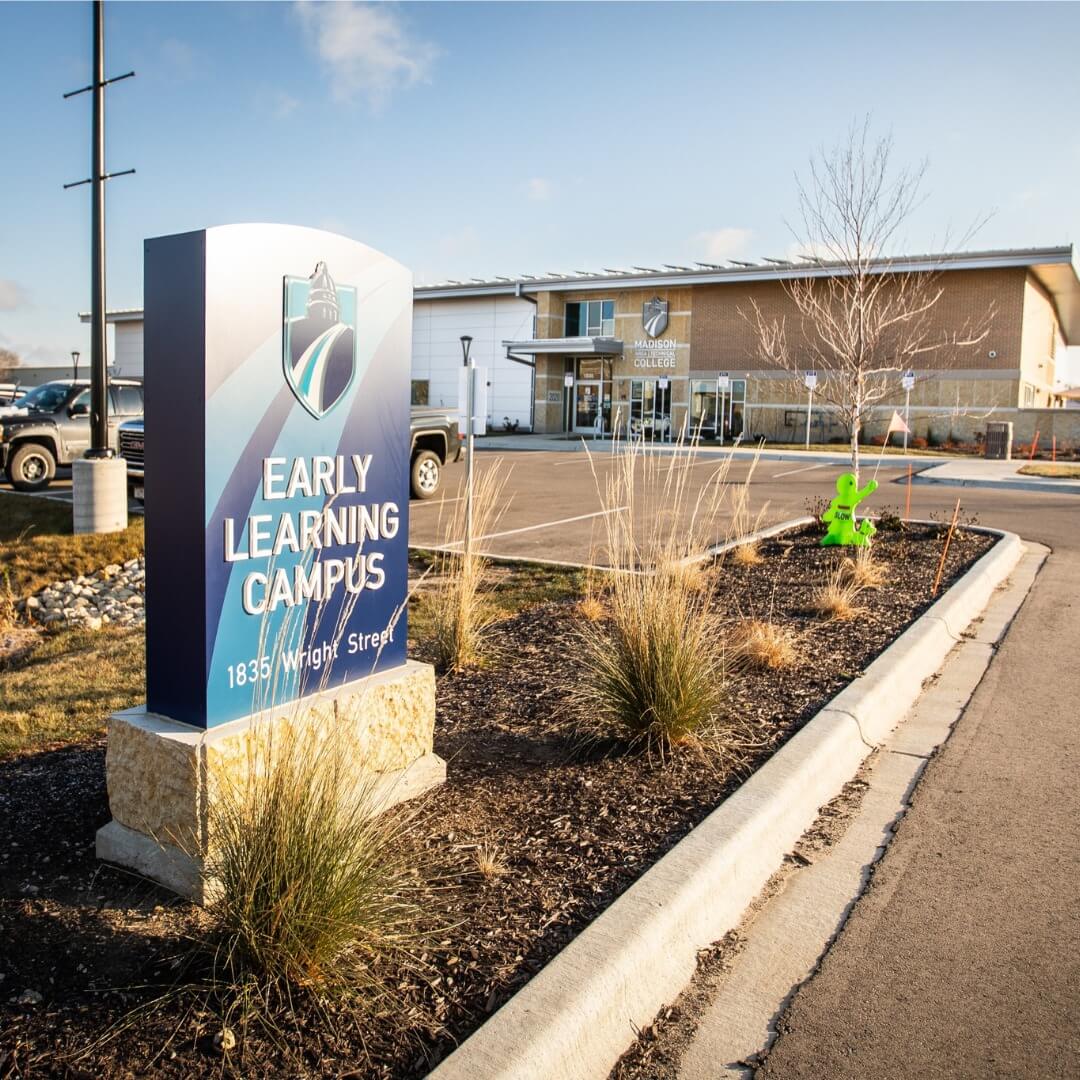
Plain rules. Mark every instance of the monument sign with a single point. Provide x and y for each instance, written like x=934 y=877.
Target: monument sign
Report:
x=277 y=464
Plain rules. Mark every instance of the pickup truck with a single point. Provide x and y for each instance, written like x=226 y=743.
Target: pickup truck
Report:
x=435 y=441
x=50 y=426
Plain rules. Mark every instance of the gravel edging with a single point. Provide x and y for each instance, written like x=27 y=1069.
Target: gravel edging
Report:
x=582 y=1011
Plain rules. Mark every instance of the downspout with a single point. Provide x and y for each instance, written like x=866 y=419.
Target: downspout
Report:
x=520 y=293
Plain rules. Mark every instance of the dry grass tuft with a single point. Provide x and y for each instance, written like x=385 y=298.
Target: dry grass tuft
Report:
x=864 y=570
x=490 y=863
x=456 y=607
x=591 y=608
x=747 y=554
x=836 y=597
x=763 y=644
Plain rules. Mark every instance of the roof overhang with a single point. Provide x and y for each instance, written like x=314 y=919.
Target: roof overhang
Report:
x=568 y=346
x=1062 y=281
x=120 y=315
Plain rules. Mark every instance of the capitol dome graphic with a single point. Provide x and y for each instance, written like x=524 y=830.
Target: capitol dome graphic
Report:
x=319 y=339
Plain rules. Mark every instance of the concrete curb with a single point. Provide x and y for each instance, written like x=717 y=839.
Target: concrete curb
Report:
x=1046 y=487
x=580 y=1013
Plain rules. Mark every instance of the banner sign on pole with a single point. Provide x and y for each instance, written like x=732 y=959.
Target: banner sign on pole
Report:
x=908 y=381
x=663 y=383
x=810 y=379
x=277 y=467
x=568 y=379
x=723 y=382
x=480 y=399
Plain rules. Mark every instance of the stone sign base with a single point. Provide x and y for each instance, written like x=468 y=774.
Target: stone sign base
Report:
x=163 y=776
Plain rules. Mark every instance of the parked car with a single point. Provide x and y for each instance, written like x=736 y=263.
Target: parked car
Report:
x=435 y=441
x=50 y=426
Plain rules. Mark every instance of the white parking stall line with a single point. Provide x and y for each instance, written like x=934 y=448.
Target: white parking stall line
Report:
x=802 y=468
x=541 y=525
x=416 y=504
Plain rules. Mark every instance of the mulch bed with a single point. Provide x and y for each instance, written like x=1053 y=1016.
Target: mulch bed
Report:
x=571 y=832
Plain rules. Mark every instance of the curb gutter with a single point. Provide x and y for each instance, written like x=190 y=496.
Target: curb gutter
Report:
x=575 y=1018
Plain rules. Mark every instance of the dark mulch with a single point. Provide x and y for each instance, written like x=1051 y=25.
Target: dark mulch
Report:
x=571 y=833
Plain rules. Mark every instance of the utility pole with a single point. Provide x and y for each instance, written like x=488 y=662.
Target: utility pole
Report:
x=95 y=491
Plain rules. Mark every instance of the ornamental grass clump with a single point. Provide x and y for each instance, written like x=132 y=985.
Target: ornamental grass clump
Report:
x=313 y=889
x=864 y=570
x=458 y=615
x=653 y=671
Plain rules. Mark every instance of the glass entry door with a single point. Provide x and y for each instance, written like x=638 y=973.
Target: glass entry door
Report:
x=591 y=396
x=717 y=413
x=650 y=409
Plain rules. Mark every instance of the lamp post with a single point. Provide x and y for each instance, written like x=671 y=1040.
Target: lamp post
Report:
x=75 y=364
x=470 y=392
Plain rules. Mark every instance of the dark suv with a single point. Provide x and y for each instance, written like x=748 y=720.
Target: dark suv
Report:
x=50 y=426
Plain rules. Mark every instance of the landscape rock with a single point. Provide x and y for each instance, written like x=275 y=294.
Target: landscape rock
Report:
x=114 y=595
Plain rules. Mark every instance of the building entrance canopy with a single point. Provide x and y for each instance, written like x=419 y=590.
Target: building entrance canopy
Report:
x=567 y=346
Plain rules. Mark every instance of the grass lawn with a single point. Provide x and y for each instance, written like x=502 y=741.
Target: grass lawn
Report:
x=68 y=687
x=1060 y=472
x=65 y=691
x=37 y=546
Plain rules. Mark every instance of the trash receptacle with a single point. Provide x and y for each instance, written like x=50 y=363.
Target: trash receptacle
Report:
x=999 y=438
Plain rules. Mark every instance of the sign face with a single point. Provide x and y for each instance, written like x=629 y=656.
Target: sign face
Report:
x=554 y=397
x=723 y=381
x=277 y=460
x=568 y=379
x=810 y=379
x=654 y=316
x=908 y=381
x=662 y=382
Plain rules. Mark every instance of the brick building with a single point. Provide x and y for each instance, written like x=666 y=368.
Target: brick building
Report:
x=646 y=347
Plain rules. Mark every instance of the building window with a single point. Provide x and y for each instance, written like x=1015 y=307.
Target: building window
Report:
x=420 y=391
x=590 y=318
x=1029 y=396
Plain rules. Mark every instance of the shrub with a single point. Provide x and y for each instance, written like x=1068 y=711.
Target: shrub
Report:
x=763 y=644
x=918 y=443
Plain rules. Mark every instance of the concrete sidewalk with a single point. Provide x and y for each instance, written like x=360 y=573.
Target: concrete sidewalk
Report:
x=975 y=472
x=962 y=958
x=571 y=444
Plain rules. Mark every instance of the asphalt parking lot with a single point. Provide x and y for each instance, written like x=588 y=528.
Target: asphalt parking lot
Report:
x=60 y=490
x=554 y=506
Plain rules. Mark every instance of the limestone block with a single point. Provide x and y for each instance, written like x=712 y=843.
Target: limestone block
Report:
x=164 y=778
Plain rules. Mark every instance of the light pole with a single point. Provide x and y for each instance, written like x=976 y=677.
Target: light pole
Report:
x=75 y=364
x=470 y=397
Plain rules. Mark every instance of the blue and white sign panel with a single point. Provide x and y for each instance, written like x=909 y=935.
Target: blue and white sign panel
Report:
x=277 y=446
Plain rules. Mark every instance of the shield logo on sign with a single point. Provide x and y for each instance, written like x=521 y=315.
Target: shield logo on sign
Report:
x=654 y=315
x=318 y=340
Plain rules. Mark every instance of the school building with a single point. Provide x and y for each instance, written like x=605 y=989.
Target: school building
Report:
x=649 y=349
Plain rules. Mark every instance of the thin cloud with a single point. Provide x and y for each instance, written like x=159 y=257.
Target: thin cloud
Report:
x=12 y=295
x=538 y=189
x=365 y=48
x=720 y=244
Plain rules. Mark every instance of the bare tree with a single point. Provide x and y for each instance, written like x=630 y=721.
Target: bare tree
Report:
x=9 y=361
x=862 y=321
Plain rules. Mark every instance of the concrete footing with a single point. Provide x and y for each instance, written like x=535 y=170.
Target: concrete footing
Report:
x=165 y=779
x=99 y=495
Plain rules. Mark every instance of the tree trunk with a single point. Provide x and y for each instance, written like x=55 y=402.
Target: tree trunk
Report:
x=855 y=429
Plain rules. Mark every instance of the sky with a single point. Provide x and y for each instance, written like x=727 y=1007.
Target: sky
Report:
x=468 y=140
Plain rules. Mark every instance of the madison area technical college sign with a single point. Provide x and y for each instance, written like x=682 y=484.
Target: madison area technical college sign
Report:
x=277 y=444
